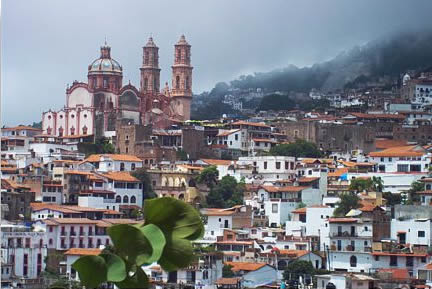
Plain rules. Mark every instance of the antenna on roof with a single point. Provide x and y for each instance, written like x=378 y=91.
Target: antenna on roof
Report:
x=105 y=40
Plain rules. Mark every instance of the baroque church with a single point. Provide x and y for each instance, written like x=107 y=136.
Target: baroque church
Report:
x=95 y=108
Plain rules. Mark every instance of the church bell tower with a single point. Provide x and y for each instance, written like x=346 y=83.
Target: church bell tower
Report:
x=182 y=79
x=150 y=71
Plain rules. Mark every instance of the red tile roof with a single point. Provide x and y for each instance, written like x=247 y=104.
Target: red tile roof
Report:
x=404 y=151
x=245 y=266
x=342 y=220
x=83 y=252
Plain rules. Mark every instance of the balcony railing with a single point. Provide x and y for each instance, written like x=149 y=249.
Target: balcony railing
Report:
x=73 y=233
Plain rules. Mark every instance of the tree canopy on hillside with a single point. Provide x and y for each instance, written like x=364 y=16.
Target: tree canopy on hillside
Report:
x=300 y=148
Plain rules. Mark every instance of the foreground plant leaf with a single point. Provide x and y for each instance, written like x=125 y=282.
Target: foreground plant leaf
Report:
x=130 y=243
x=92 y=270
x=180 y=224
x=175 y=217
x=178 y=253
x=116 y=268
x=156 y=238
x=138 y=280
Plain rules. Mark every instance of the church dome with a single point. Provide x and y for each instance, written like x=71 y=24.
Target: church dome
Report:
x=105 y=63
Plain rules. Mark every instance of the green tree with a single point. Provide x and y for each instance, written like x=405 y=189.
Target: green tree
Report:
x=227 y=271
x=360 y=185
x=226 y=193
x=298 y=268
x=300 y=148
x=208 y=176
x=147 y=189
x=348 y=201
x=412 y=196
x=392 y=199
x=301 y=205
x=215 y=199
x=377 y=184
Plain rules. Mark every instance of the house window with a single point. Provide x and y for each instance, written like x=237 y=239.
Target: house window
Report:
x=122 y=166
x=393 y=261
x=278 y=165
x=286 y=165
x=133 y=200
x=133 y=167
x=265 y=165
x=274 y=208
x=421 y=234
x=353 y=261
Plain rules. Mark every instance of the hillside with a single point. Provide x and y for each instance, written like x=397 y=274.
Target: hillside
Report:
x=387 y=57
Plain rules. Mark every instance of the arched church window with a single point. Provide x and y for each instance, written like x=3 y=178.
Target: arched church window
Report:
x=60 y=131
x=94 y=82
x=187 y=82
x=125 y=199
x=105 y=83
x=154 y=83
x=84 y=129
x=49 y=130
x=178 y=82
x=49 y=116
x=145 y=83
x=72 y=131
x=118 y=199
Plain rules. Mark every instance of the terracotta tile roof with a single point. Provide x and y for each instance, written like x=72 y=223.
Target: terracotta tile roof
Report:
x=273 y=189
x=227 y=132
x=312 y=161
x=76 y=136
x=72 y=221
x=264 y=140
x=54 y=207
x=120 y=176
x=83 y=252
x=245 y=266
x=308 y=179
x=354 y=164
x=22 y=127
x=189 y=167
x=428 y=266
x=342 y=220
x=115 y=157
x=389 y=143
x=257 y=124
x=228 y=281
x=397 y=273
x=218 y=212
x=294 y=253
x=427 y=192
x=404 y=151
x=9 y=184
x=299 y=211
x=75 y=172
x=215 y=162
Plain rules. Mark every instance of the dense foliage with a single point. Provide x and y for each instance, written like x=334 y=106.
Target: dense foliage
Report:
x=165 y=237
x=348 y=201
x=147 y=189
x=370 y=184
x=225 y=193
x=298 y=268
x=300 y=148
x=100 y=146
x=227 y=271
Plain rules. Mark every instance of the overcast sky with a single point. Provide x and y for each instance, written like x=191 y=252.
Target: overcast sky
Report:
x=46 y=44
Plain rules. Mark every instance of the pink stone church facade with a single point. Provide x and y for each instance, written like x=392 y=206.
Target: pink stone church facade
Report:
x=95 y=108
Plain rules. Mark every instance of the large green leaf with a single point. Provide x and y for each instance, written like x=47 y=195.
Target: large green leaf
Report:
x=157 y=241
x=130 y=243
x=180 y=224
x=138 y=280
x=174 y=217
x=116 y=267
x=92 y=270
x=178 y=253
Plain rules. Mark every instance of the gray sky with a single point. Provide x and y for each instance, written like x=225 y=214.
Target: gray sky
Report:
x=49 y=43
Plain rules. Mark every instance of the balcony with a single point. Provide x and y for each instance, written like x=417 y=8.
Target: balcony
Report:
x=72 y=233
x=343 y=234
x=90 y=233
x=63 y=233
